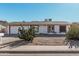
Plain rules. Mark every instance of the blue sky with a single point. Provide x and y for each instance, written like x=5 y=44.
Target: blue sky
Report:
x=38 y=12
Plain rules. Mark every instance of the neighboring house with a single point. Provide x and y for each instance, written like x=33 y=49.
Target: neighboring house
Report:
x=4 y=23
x=2 y=29
x=44 y=27
x=3 y=26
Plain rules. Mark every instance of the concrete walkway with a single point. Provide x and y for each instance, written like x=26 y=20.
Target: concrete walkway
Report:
x=28 y=49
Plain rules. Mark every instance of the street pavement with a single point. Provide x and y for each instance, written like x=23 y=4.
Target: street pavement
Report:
x=39 y=51
x=39 y=54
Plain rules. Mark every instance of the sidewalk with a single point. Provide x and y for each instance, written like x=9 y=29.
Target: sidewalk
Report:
x=29 y=49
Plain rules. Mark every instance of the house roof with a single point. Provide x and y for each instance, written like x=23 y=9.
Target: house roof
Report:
x=40 y=23
x=2 y=27
x=75 y=23
x=4 y=23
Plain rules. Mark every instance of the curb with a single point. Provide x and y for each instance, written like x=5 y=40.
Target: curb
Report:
x=39 y=51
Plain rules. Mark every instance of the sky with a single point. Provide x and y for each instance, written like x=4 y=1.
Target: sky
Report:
x=39 y=11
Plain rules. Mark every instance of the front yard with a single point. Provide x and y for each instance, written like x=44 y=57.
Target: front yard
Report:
x=42 y=41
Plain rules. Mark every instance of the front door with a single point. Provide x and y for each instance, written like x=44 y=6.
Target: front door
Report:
x=50 y=28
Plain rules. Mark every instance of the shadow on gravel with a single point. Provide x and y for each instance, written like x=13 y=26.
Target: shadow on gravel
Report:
x=39 y=35
x=50 y=35
x=15 y=44
x=18 y=43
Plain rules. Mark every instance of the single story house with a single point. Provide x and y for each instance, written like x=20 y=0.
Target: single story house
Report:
x=44 y=27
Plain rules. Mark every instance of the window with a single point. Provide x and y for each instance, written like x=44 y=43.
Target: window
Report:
x=62 y=28
x=36 y=28
x=49 y=29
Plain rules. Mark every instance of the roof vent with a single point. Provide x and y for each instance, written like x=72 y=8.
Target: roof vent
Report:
x=48 y=19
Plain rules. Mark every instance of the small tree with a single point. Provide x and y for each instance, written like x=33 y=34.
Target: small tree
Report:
x=72 y=35
x=25 y=34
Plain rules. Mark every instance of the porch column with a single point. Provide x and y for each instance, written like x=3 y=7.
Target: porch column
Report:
x=9 y=29
x=67 y=28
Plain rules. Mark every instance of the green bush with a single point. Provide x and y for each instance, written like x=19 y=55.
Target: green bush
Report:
x=25 y=34
x=73 y=33
x=72 y=36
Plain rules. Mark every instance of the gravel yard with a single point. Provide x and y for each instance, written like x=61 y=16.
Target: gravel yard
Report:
x=53 y=41
x=9 y=39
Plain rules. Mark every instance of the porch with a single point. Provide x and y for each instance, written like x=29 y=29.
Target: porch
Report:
x=54 y=29
x=41 y=29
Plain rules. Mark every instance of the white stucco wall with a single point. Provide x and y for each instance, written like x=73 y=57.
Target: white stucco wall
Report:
x=14 y=29
x=56 y=28
x=42 y=29
x=26 y=27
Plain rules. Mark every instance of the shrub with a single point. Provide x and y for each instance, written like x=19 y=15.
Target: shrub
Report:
x=25 y=34
x=73 y=33
x=72 y=36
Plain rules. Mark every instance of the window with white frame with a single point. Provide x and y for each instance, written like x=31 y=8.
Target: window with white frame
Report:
x=36 y=28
